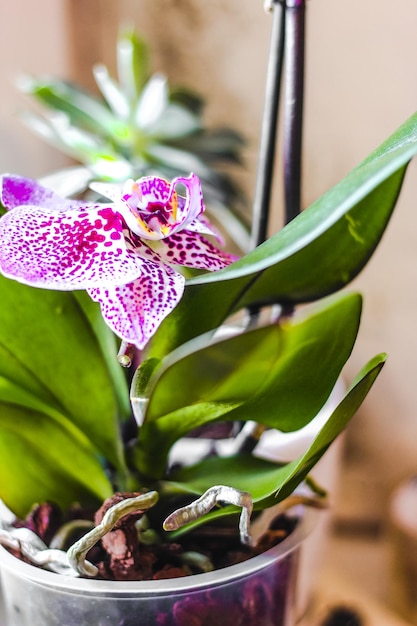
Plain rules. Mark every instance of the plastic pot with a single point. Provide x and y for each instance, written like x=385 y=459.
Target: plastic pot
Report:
x=257 y=592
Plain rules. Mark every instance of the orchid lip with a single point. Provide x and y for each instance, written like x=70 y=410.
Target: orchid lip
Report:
x=150 y=214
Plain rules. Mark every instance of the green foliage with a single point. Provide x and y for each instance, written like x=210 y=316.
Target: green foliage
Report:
x=279 y=375
x=59 y=408
x=270 y=482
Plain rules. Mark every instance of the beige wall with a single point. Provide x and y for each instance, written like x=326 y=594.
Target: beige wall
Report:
x=32 y=41
x=361 y=84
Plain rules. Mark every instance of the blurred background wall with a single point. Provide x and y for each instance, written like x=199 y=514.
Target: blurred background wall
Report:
x=32 y=41
x=360 y=85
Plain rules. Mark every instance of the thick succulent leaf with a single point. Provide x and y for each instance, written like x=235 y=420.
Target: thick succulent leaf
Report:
x=111 y=167
x=79 y=143
x=132 y=64
x=44 y=127
x=268 y=482
x=216 y=144
x=82 y=109
x=319 y=252
x=114 y=96
x=69 y=181
x=189 y=99
x=51 y=339
x=152 y=103
x=280 y=374
x=175 y=122
x=33 y=437
x=178 y=159
x=103 y=160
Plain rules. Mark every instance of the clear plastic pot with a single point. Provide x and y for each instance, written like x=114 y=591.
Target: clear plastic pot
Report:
x=257 y=592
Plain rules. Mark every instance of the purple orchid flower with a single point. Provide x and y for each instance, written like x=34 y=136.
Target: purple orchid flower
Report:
x=124 y=253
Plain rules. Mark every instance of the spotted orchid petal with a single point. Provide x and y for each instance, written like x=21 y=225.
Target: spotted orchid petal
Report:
x=66 y=250
x=192 y=250
x=135 y=310
x=204 y=227
x=18 y=190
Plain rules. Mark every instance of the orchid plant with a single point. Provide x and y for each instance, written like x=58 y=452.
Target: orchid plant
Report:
x=66 y=426
x=120 y=251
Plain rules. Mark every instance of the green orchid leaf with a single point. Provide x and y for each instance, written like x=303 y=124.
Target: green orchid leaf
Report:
x=282 y=374
x=140 y=384
x=109 y=348
x=317 y=253
x=34 y=467
x=51 y=340
x=270 y=482
x=18 y=373
x=13 y=394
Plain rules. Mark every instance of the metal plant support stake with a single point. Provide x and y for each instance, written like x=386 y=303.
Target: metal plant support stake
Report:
x=287 y=42
x=293 y=105
x=267 y=143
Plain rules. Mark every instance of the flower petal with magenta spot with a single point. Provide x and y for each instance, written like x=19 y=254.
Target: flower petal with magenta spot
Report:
x=192 y=250
x=204 y=227
x=66 y=250
x=18 y=190
x=135 y=310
